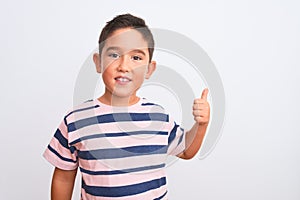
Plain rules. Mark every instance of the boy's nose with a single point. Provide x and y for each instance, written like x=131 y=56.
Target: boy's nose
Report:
x=123 y=64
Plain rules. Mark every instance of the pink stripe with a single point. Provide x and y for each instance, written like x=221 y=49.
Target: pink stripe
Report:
x=121 y=179
x=152 y=194
x=85 y=131
x=117 y=142
x=57 y=162
x=63 y=129
x=122 y=163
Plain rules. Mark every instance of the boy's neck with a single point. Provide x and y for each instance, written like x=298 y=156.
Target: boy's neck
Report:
x=113 y=100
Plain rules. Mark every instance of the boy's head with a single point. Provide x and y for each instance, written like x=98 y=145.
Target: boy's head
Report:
x=127 y=21
x=125 y=55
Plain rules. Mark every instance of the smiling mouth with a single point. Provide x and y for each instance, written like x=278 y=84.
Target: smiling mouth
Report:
x=123 y=79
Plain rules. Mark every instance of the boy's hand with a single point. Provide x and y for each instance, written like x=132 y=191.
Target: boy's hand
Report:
x=201 y=109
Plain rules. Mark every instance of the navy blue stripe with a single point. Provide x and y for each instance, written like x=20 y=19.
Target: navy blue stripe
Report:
x=120 y=134
x=62 y=140
x=121 y=191
x=61 y=157
x=148 y=104
x=89 y=100
x=122 y=152
x=173 y=134
x=152 y=104
x=117 y=117
x=123 y=171
x=162 y=196
x=82 y=123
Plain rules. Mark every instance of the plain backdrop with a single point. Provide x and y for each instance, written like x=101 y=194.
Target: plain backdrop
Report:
x=255 y=46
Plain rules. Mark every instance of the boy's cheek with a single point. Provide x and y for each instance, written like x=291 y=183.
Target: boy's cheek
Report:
x=140 y=69
x=106 y=66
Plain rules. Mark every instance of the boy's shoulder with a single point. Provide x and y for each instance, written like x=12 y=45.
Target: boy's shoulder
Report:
x=86 y=105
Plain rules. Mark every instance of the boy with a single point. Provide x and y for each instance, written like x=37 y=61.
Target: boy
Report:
x=120 y=141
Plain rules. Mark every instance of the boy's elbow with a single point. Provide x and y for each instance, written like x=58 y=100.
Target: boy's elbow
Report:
x=184 y=155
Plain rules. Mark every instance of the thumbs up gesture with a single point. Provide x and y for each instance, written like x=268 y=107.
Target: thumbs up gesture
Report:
x=201 y=109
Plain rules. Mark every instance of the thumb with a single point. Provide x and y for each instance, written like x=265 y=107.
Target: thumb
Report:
x=204 y=94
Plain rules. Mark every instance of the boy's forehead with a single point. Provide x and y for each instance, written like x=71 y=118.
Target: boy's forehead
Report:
x=126 y=39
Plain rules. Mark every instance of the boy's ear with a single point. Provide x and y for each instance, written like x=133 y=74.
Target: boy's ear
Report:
x=151 y=69
x=97 y=61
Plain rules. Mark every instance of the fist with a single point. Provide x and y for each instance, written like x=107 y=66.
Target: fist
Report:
x=201 y=109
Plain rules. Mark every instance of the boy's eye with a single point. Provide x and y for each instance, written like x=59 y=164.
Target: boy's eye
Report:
x=136 y=58
x=114 y=55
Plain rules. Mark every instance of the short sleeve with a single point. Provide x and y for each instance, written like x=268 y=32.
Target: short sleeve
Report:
x=59 y=153
x=176 y=139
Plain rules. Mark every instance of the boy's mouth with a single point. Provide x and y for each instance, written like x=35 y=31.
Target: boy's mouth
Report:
x=122 y=79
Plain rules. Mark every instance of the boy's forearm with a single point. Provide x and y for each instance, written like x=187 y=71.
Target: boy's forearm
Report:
x=193 y=140
x=194 y=137
x=62 y=184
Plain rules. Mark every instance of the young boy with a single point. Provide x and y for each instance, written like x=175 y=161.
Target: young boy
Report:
x=120 y=141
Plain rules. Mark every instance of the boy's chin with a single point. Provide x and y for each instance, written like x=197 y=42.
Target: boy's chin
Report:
x=122 y=95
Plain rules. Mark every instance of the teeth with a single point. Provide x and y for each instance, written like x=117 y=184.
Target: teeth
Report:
x=123 y=79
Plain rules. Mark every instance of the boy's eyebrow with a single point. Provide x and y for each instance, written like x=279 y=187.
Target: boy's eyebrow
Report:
x=112 y=48
x=138 y=51
x=118 y=49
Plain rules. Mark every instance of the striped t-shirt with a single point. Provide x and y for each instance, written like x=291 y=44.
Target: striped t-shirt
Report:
x=121 y=151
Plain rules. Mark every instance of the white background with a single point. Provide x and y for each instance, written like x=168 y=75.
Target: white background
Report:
x=255 y=46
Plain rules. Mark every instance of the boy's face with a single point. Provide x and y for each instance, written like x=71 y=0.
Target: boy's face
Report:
x=124 y=62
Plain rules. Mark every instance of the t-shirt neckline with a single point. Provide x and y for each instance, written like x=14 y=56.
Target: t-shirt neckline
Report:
x=139 y=102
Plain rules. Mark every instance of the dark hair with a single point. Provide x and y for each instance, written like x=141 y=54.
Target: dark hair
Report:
x=127 y=21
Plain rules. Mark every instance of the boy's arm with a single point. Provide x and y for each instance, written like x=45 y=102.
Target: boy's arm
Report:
x=195 y=135
x=62 y=184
